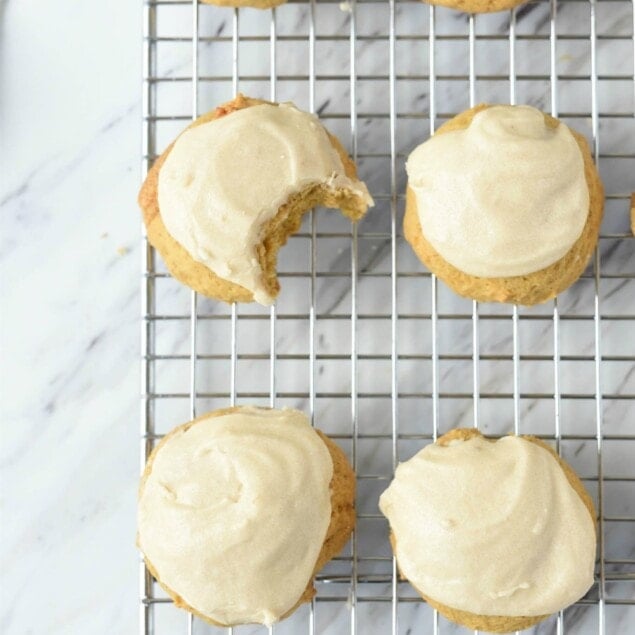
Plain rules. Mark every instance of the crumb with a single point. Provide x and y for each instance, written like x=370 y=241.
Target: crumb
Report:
x=122 y=251
x=565 y=58
x=346 y=7
x=104 y=235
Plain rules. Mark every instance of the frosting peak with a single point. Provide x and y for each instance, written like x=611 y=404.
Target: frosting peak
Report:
x=225 y=179
x=506 y=196
x=493 y=528
x=234 y=512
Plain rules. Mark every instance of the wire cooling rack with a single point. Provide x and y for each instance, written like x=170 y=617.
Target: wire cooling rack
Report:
x=379 y=353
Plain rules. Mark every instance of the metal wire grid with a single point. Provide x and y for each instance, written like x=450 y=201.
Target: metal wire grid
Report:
x=360 y=591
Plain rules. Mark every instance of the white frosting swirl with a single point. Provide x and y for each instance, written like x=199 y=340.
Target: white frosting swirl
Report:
x=491 y=528
x=223 y=180
x=235 y=511
x=506 y=196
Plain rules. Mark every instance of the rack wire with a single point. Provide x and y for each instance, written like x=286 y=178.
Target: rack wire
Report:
x=380 y=354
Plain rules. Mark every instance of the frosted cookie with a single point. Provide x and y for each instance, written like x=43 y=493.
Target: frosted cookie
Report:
x=504 y=204
x=478 y=6
x=495 y=535
x=225 y=196
x=239 y=509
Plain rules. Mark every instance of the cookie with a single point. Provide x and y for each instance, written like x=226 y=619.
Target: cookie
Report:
x=528 y=289
x=488 y=623
x=273 y=233
x=478 y=6
x=254 y=4
x=341 y=488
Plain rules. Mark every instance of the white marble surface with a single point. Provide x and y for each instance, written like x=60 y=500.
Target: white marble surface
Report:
x=70 y=124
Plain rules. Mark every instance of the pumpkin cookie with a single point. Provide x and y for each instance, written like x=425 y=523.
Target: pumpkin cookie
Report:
x=495 y=535
x=504 y=204
x=224 y=197
x=239 y=509
x=478 y=6
x=254 y=4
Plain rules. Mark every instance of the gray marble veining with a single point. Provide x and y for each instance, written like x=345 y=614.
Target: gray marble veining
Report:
x=70 y=282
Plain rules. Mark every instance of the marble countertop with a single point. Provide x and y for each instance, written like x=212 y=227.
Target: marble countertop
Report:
x=70 y=128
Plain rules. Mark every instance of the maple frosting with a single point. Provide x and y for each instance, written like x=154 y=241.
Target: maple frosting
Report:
x=492 y=528
x=223 y=180
x=235 y=511
x=506 y=196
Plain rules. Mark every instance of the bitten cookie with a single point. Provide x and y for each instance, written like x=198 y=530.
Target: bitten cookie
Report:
x=504 y=204
x=477 y=6
x=495 y=535
x=239 y=509
x=225 y=196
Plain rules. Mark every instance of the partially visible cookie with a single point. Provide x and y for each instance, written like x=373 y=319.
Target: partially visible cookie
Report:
x=477 y=6
x=255 y=4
